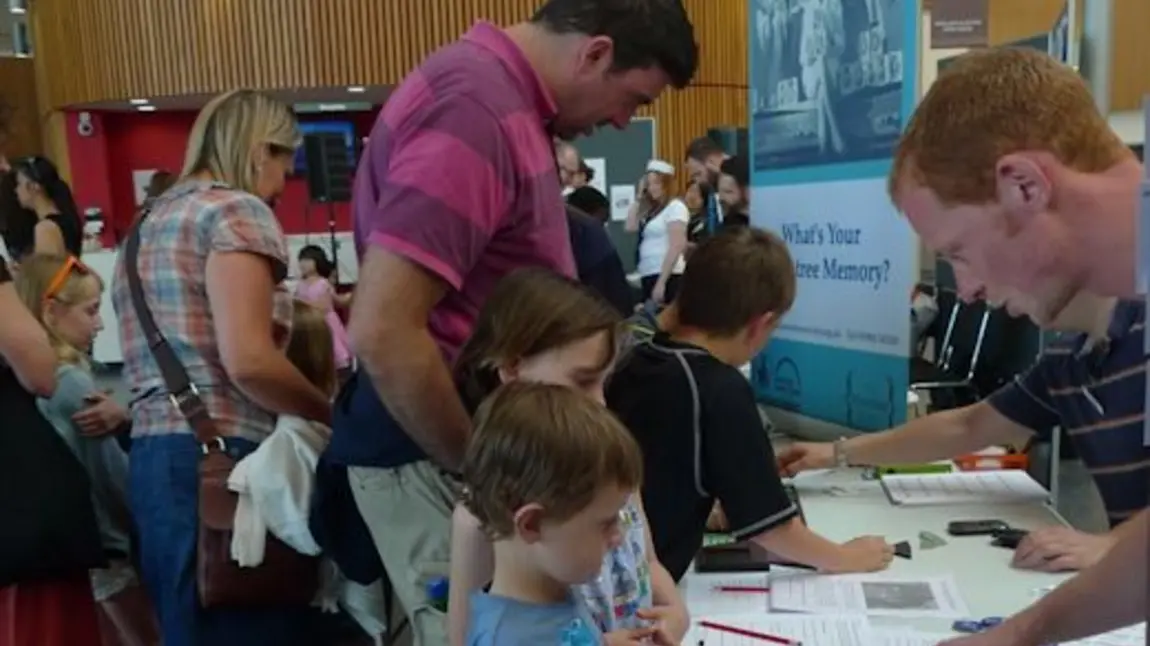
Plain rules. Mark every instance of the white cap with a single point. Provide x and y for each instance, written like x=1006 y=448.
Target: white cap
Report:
x=660 y=166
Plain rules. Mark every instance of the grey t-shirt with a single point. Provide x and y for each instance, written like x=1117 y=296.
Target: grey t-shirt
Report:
x=102 y=457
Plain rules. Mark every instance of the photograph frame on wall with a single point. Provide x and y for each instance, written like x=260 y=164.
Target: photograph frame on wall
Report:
x=829 y=86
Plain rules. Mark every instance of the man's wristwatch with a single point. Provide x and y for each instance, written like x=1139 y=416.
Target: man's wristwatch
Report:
x=840 y=453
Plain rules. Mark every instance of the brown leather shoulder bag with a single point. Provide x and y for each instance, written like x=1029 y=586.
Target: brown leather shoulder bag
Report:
x=285 y=577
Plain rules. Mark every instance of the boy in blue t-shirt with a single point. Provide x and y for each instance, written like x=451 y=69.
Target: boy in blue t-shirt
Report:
x=547 y=473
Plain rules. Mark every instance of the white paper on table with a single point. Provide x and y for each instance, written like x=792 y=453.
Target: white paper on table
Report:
x=897 y=637
x=140 y=181
x=999 y=486
x=870 y=594
x=703 y=597
x=598 y=167
x=622 y=196
x=809 y=630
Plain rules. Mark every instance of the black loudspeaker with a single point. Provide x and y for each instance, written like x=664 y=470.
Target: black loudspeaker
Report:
x=329 y=167
x=733 y=140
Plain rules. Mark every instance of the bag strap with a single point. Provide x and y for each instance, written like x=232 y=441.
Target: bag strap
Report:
x=181 y=391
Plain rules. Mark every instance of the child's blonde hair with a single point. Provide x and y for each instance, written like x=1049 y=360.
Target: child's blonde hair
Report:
x=310 y=348
x=62 y=279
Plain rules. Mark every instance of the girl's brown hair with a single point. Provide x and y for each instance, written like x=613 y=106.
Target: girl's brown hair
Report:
x=310 y=348
x=63 y=279
x=530 y=312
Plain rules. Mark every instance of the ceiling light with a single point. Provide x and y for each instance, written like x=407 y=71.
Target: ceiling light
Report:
x=18 y=10
x=357 y=89
x=138 y=101
x=146 y=108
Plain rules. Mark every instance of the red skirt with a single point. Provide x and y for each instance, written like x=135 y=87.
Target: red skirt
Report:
x=49 y=613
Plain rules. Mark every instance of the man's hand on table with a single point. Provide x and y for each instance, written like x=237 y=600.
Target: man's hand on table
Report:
x=1060 y=549
x=805 y=456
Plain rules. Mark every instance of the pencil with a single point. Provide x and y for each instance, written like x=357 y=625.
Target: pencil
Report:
x=734 y=630
x=741 y=588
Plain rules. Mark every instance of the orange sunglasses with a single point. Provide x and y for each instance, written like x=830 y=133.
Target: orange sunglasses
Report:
x=71 y=264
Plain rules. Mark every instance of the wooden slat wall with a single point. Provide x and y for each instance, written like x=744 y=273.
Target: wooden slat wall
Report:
x=120 y=49
x=18 y=92
x=719 y=94
x=1011 y=20
x=1130 y=80
x=1129 y=83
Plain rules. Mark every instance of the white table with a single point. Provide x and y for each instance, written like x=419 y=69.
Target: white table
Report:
x=981 y=571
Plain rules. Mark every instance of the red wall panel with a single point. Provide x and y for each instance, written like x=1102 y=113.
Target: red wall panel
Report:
x=102 y=166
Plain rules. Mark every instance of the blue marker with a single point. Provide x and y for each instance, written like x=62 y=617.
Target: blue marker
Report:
x=969 y=626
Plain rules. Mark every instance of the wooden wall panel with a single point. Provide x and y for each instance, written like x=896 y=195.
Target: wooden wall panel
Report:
x=121 y=49
x=719 y=95
x=1130 y=80
x=114 y=50
x=18 y=95
x=1011 y=20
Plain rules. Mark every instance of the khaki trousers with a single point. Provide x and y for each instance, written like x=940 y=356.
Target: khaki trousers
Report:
x=407 y=509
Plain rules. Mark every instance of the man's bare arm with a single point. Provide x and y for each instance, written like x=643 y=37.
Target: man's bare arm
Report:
x=389 y=333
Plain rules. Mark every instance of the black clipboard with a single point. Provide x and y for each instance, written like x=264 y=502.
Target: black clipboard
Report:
x=745 y=556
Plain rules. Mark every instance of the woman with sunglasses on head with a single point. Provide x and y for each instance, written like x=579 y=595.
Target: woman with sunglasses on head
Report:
x=211 y=271
x=49 y=222
x=50 y=538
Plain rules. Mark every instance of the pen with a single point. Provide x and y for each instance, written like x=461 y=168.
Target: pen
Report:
x=743 y=632
x=741 y=588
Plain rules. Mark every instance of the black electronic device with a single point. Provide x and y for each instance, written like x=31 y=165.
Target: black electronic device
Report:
x=740 y=557
x=329 y=167
x=1009 y=538
x=975 y=527
x=746 y=556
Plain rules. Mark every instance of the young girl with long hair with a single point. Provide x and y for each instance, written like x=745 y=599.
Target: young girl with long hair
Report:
x=64 y=296
x=45 y=595
x=542 y=327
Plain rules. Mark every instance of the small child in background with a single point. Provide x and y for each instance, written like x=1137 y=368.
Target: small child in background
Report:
x=64 y=295
x=310 y=347
x=548 y=472
x=315 y=288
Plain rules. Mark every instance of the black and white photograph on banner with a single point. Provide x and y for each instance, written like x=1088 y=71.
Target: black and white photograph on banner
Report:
x=826 y=81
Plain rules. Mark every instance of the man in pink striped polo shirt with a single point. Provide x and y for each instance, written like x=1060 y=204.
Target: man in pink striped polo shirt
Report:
x=457 y=188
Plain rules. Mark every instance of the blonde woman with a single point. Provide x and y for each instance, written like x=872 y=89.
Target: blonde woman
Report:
x=211 y=269
x=660 y=219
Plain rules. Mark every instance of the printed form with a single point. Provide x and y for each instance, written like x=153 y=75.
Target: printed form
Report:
x=868 y=594
x=1002 y=486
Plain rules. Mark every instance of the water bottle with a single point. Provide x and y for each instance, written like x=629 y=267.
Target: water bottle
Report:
x=437 y=590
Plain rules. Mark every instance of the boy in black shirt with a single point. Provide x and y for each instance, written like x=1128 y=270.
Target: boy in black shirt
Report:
x=695 y=417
